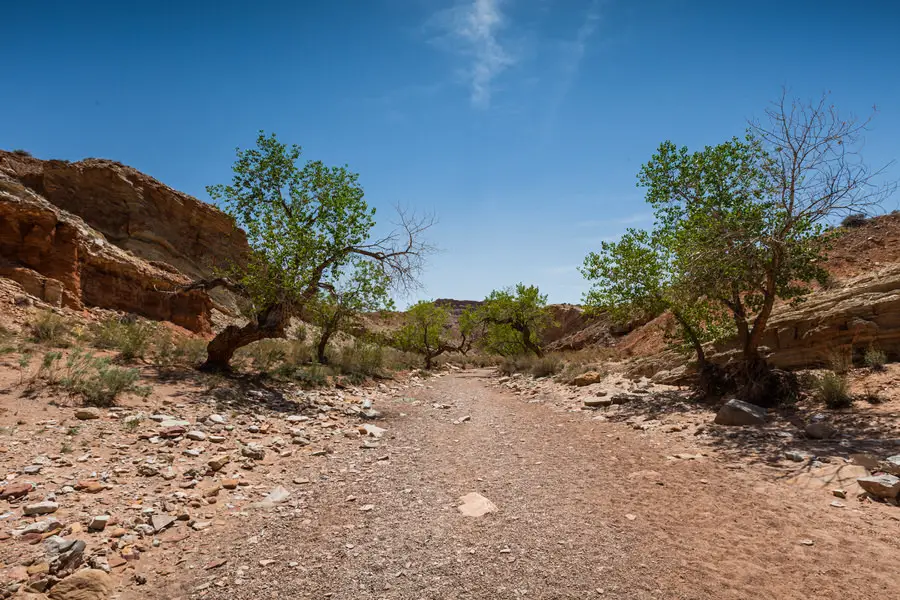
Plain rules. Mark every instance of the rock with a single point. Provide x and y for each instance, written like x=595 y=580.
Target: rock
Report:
x=278 y=495
x=881 y=486
x=39 y=527
x=16 y=490
x=216 y=419
x=463 y=419
x=197 y=436
x=891 y=465
x=90 y=584
x=87 y=414
x=597 y=402
x=589 y=378
x=253 y=451
x=32 y=470
x=797 y=455
x=90 y=486
x=229 y=484
x=98 y=523
x=738 y=412
x=372 y=430
x=475 y=505
x=218 y=462
x=41 y=508
x=863 y=459
x=147 y=470
x=169 y=433
x=201 y=525
x=820 y=430
x=839 y=493
x=217 y=439
x=160 y=522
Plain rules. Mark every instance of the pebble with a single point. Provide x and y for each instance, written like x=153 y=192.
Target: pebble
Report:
x=197 y=436
x=41 y=508
x=98 y=523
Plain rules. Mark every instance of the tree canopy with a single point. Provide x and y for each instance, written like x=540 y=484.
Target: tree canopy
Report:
x=425 y=331
x=511 y=320
x=306 y=224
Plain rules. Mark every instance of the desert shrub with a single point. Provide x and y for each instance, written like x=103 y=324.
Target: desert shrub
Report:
x=854 y=220
x=132 y=339
x=840 y=360
x=7 y=341
x=264 y=354
x=833 y=390
x=50 y=329
x=297 y=351
x=398 y=360
x=875 y=358
x=571 y=371
x=546 y=366
x=170 y=350
x=311 y=376
x=95 y=379
x=21 y=152
x=360 y=358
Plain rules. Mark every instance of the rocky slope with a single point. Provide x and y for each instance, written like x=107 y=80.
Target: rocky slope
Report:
x=56 y=257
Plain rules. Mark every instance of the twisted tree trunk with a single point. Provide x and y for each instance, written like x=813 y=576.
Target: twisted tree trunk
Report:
x=269 y=323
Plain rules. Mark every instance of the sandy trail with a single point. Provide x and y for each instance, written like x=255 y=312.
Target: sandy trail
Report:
x=586 y=510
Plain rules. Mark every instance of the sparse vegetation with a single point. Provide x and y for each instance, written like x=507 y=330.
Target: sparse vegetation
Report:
x=170 y=350
x=425 y=331
x=832 y=389
x=875 y=358
x=95 y=379
x=840 y=360
x=21 y=152
x=854 y=220
x=510 y=321
x=131 y=338
x=50 y=329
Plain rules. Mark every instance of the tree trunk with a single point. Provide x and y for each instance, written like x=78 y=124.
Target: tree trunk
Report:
x=269 y=323
x=327 y=331
x=526 y=341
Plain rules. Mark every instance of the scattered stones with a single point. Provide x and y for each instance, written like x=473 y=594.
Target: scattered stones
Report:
x=147 y=470
x=372 y=430
x=737 y=412
x=87 y=414
x=41 y=508
x=475 y=505
x=881 y=486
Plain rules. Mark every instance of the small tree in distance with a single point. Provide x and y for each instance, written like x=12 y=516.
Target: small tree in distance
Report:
x=305 y=224
x=425 y=331
x=512 y=320
x=338 y=307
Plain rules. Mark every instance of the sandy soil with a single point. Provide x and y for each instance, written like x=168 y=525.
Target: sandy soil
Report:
x=585 y=509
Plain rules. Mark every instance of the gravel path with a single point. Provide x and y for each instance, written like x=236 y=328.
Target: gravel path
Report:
x=585 y=510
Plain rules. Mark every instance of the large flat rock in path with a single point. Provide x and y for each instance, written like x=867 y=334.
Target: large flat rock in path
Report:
x=476 y=505
x=832 y=477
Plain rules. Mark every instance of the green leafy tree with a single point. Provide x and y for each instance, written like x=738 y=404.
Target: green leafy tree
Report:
x=512 y=320
x=738 y=226
x=338 y=307
x=425 y=331
x=305 y=223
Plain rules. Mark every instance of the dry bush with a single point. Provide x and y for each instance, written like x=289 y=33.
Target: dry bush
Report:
x=840 y=360
x=875 y=358
x=50 y=329
x=833 y=389
x=132 y=339
x=95 y=379
x=171 y=350
x=855 y=220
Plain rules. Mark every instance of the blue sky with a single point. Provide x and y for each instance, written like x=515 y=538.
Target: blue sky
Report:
x=520 y=123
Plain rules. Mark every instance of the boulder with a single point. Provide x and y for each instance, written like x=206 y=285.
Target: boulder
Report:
x=738 y=412
x=891 y=465
x=589 y=378
x=597 y=402
x=90 y=584
x=820 y=430
x=476 y=505
x=881 y=486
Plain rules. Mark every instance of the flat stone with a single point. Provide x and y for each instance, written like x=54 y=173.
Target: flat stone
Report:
x=87 y=414
x=891 y=465
x=32 y=469
x=89 y=584
x=253 y=451
x=476 y=505
x=589 y=378
x=216 y=419
x=98 y=523
x=217 y=439
x=219 y=461
x=372 y=430
x=597 y=402
x=881 y=486
x=41 y=508
x=160 y=522
x=16 y=490
x=737 y=412
x=197 y=436
x=174 y=423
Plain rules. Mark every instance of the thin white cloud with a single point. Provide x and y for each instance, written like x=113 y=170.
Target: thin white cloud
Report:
x=473 y=28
